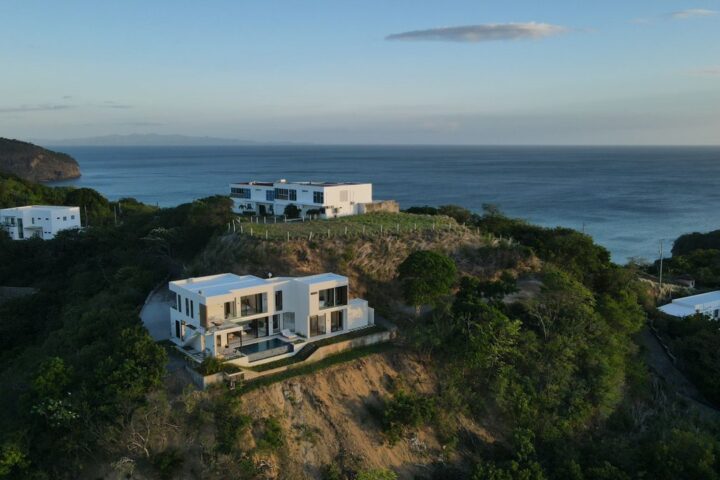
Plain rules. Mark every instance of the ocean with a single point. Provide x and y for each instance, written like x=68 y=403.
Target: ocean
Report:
x=627 y=198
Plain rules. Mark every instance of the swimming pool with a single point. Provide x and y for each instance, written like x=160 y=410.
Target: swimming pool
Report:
x=266 y=349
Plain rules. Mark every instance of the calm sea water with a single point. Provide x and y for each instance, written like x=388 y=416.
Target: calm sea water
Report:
x=628 y=199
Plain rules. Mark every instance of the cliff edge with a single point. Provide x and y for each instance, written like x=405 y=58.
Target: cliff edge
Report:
x=35 y=163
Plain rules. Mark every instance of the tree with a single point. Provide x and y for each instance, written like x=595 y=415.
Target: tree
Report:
x=459 y=214
x=292 y=211
x=376 y=474
x=426 y=276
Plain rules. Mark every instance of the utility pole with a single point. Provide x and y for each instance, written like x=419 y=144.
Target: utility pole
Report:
x=661 y=264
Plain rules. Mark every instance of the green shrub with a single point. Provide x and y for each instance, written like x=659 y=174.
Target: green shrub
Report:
x=331 y=472
x=272 y=435
x=167 y=463
x=406 y=410
x=376 y=474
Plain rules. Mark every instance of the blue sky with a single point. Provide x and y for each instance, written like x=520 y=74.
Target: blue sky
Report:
x=401 y=71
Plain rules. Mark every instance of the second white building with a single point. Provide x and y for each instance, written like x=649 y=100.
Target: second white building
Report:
x=324 y=199
x=41 y=221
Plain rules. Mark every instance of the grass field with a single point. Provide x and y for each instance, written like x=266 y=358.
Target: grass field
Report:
x=355 y=225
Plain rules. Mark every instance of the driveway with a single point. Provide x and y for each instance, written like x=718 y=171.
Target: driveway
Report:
x=155 y=314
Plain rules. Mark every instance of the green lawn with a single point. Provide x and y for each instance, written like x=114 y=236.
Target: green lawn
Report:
x=370 y=224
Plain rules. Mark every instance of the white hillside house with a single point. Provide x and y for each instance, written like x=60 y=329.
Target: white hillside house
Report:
x=42 y=221
x=325 y=199
x=704 y=303
x=247 y=319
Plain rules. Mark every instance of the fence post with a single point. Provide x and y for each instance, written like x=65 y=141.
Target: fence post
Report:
x=266 y=234
x=328 y=233
x=363 y=229
x=241 y=228
x=288 y=236
x=346 y=230
x=397 y=227
x=381 y=229
x=252 y=233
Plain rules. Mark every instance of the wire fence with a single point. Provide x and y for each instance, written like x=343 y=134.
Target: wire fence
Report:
x=322 y=229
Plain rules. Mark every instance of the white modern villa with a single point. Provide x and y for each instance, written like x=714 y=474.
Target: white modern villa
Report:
x=704 y=303
x=324 y=199
x=42 y=221
x=247 y=319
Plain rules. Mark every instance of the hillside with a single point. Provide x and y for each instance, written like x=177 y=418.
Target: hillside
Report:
x=368 y=259
x=35 y=163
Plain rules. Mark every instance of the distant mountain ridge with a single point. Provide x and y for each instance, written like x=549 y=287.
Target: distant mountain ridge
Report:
x=34 y=163
x=155 y=140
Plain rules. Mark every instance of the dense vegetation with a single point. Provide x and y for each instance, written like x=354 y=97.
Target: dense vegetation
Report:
x=558 y=374
x=76 y=362
x=694 y=341
x=560 y=370
x=697 y=255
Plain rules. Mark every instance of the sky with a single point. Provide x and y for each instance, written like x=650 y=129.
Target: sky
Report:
x=364 y=72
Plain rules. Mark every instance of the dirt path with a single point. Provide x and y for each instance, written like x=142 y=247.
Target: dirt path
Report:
x=677 y=382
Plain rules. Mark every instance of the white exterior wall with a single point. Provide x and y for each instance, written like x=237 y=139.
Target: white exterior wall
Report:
x=39 y=221
x=300 y=296
x=338 y=200
x=359 y=314
x=704 y=303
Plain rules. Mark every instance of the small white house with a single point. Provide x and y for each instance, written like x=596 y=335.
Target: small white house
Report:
x=247 y=319
x=325 y=199
x=704 y=303
x=42 y=221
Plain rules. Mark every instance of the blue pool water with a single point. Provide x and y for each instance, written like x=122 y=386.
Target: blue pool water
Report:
x=263 y=346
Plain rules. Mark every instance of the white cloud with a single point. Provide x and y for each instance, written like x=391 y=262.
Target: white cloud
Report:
x=482 y=33
x=708 y=71
x=692 y=13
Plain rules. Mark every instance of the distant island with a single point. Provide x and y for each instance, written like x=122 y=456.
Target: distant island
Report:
x=34 y=163
x=155 y=140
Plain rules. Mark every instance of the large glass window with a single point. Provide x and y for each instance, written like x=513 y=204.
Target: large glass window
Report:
x=278 y=301
x=276 y=323
x=317 y=325
x=230 y=309
x=319 y=197
x=240 y=192
x=269 y=195
x=282 y=194
x=327 y=298
x=336 y=321
x=252 y=304
x=332 y=297
x=289 y=321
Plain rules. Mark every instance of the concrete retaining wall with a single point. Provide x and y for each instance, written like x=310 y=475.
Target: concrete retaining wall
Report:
x=387 y=206
x=327 y=351
x=319 y=354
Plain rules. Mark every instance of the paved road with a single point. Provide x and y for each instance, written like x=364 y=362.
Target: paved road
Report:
x=663 y=366
x=155 y=315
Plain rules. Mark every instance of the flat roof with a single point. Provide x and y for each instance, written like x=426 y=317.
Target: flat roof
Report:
x=322 y=277
x=307 y=183
x=677 y=310
x=227 y=283
x=45 y=207
x=699 y=299
x=222 y=284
